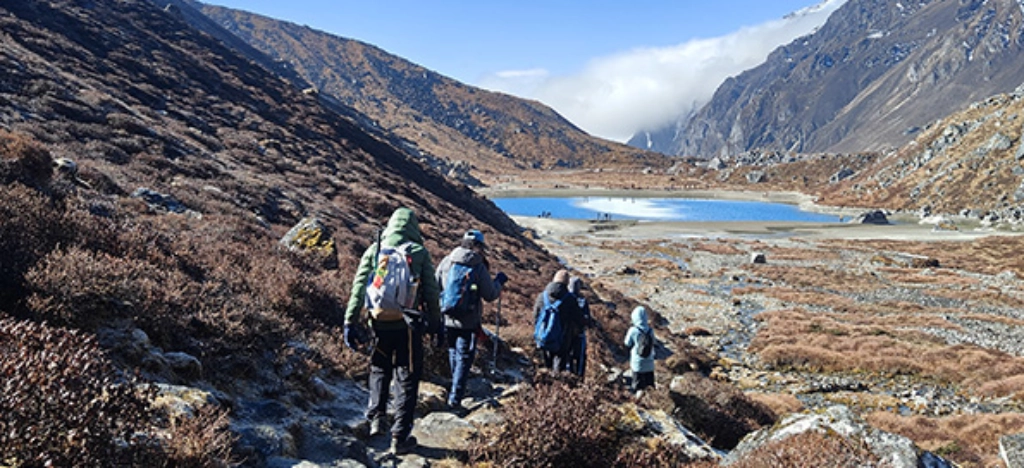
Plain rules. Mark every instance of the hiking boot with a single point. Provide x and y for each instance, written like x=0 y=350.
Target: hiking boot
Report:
x=456 y=408
x=402 y=447
x=377 y=426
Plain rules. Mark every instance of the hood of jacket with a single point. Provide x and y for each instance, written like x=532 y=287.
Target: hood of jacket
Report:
x=402 y=227
x=468 y=257
x=555 y=290
x=640 y=318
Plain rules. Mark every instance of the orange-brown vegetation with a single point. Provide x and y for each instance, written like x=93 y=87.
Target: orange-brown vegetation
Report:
x=813 y=276
x=719 y=248
x=969 y=440
x=811 y=449
x=780 y=404
x=799 y=339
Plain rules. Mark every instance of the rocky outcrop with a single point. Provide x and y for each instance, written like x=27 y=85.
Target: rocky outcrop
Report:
x=312 y=236
x=1011 y=450
x=871 y=217
x=893 y=450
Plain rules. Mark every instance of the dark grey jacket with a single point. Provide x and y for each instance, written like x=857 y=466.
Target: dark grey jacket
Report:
x=487 y=289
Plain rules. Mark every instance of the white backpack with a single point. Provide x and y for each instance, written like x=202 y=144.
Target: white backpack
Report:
x=392 y=286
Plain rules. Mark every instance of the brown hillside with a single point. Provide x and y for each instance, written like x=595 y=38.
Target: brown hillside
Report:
x=494 y=132
x=140 y=101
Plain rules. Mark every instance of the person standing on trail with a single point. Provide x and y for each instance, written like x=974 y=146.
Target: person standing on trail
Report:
x=578 y=338
x=465 y=284
x=395 y=284
x=556 y=314
x=640 y=341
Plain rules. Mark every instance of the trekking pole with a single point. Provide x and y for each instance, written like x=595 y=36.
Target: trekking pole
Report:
x=497 y=333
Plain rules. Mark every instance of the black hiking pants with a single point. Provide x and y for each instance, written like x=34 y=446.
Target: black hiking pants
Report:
x=556 y=361
x=397 y=354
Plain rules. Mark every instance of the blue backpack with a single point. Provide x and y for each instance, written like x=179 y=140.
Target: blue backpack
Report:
x=457 y=298
x=547 y=332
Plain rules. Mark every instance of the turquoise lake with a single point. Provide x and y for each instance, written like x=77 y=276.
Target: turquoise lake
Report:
x=658 y=209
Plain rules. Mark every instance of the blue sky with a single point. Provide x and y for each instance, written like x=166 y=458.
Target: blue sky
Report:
x=611 y=67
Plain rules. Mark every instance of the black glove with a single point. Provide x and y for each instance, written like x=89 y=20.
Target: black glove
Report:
x=355 y=336
x=501 y=278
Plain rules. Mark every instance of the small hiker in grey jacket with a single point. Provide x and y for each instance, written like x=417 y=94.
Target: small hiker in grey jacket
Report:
x=642 y=366
x=461 y=330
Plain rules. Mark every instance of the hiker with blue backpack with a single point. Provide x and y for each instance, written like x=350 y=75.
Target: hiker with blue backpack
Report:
x=556 y=315
x=640 y=341
x=395 y=285
x=465 y=283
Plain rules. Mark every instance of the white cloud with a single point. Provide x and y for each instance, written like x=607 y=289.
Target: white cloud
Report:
x=643 y=89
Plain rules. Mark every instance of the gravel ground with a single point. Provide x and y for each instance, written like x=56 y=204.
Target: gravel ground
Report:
x=694 y=289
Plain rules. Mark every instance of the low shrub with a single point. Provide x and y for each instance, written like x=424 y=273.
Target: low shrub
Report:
x=553 y=424
x=62 y=404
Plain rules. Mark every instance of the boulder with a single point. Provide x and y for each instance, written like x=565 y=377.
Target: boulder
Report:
x=758 y=257
x=843 y=174
x=871 y=217
x=1011 y=450
x=162 y=202
x=893 y=450
x=444 y=430
x=183 y=364
x=311 y=235
x=660 y=425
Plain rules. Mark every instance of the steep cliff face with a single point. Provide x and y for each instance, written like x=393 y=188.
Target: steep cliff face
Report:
x=868 y=79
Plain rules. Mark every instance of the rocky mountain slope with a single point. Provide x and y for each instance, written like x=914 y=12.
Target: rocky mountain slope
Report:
x=456 y=125
x=871 y=77
x=182 y=166
x=968 y=163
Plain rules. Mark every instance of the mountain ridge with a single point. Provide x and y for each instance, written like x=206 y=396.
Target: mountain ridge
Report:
x=866 y=80
x=493 y=132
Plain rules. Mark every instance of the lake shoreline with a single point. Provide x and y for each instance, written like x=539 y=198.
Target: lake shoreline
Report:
x=905 y=227
x=803 y=201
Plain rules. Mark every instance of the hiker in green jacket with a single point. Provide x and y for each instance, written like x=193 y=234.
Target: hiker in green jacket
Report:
x=398 y=347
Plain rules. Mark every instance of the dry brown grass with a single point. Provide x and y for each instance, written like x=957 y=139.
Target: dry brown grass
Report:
x=718 y=248
x=1013 y=385
x=969 y=440
x=781 y=404
x=810 y=449
x=800 y=254
x=796 y=339
x=814 y=276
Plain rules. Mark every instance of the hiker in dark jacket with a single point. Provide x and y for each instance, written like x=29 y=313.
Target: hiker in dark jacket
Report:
x=398 y=348
x=569 y=314
x=578 y=338
x=461 y=331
